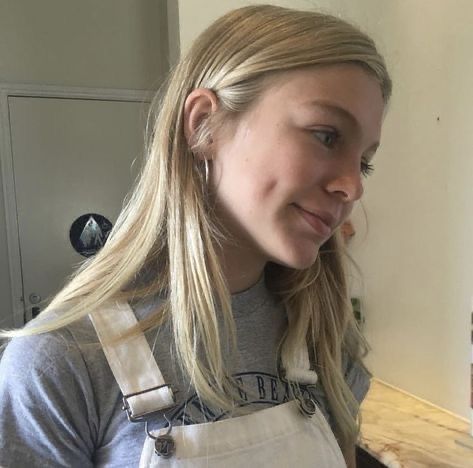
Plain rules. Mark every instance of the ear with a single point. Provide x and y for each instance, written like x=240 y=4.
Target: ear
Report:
x=199 y=105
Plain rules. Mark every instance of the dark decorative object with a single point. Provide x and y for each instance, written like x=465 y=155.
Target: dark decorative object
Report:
x=89 y=233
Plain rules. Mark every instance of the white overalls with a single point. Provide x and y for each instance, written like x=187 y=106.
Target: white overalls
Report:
x=280 y=437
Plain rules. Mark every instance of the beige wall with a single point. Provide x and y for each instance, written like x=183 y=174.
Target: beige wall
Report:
x=111 y=43
x=106 y=44
x=416 y=258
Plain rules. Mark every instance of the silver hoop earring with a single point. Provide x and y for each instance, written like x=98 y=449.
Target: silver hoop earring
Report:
x=206 y=162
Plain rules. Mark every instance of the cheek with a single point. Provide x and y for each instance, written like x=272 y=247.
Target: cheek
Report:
x=255 y=199
x=255 y=178
x=263 y=189
x=246 y=188
x=266 y=178
x=276 y=185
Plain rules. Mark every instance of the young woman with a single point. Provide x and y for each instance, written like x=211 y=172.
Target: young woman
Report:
x=219 y=299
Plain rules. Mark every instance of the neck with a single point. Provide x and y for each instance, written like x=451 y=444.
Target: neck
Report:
x=242 y=267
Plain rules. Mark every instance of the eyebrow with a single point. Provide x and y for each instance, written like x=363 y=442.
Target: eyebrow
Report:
x=343 y=113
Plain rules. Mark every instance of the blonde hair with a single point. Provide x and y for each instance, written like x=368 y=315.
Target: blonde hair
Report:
x=166 y=237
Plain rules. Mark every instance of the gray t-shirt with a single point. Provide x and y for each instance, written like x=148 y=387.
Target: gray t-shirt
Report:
x=61 y=407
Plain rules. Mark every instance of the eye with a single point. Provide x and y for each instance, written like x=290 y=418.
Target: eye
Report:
x=327 y=137
x=366 y=168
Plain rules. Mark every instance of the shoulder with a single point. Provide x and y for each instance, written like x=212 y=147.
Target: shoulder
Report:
x=65 y=361
x=45 y=390
x=23 y=355
x=59 y=401
x=73 y=347
x=65 y=348
x=49 y=369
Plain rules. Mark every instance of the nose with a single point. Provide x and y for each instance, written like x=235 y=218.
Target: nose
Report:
x=347 y=185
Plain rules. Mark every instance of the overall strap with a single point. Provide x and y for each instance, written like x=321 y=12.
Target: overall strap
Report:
x=131 y=361
x=295 y=357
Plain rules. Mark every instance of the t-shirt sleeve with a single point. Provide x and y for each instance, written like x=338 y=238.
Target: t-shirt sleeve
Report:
x=47 y=410
x=357 y=378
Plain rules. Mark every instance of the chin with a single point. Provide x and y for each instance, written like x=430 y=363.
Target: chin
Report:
x=298 y=260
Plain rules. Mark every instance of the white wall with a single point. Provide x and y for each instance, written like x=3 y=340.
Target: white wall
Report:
x=106 y=44
x=416 y=258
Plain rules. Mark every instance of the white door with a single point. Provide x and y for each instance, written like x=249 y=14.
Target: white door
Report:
x=71 y=157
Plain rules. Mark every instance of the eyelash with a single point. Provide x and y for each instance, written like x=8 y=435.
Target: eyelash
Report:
x=366 y=168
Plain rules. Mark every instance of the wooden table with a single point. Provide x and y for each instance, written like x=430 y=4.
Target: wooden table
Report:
x=403 y=431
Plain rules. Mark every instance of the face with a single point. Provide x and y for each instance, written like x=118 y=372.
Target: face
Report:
x=286 y=175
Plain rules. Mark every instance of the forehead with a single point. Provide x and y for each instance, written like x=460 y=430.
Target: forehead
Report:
x=348 y=87
x=343 y=81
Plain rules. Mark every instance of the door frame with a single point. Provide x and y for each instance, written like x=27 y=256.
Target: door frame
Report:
x=8 y=90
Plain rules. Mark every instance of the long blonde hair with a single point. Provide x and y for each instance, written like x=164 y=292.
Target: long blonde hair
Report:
x=166 y=237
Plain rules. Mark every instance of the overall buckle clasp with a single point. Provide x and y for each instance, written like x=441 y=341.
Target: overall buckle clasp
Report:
x=141 y=417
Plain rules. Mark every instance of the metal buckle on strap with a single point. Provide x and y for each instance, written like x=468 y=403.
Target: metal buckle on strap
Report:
x=307 y=405
x=142 y=417
x=164 y=445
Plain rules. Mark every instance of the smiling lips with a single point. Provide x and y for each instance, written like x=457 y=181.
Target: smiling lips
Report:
x=321 y=223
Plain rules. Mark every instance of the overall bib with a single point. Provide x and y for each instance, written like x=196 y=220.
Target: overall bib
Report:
x=293 y=434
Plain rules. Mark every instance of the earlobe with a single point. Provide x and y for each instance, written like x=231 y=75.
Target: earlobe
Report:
x=199 y=106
